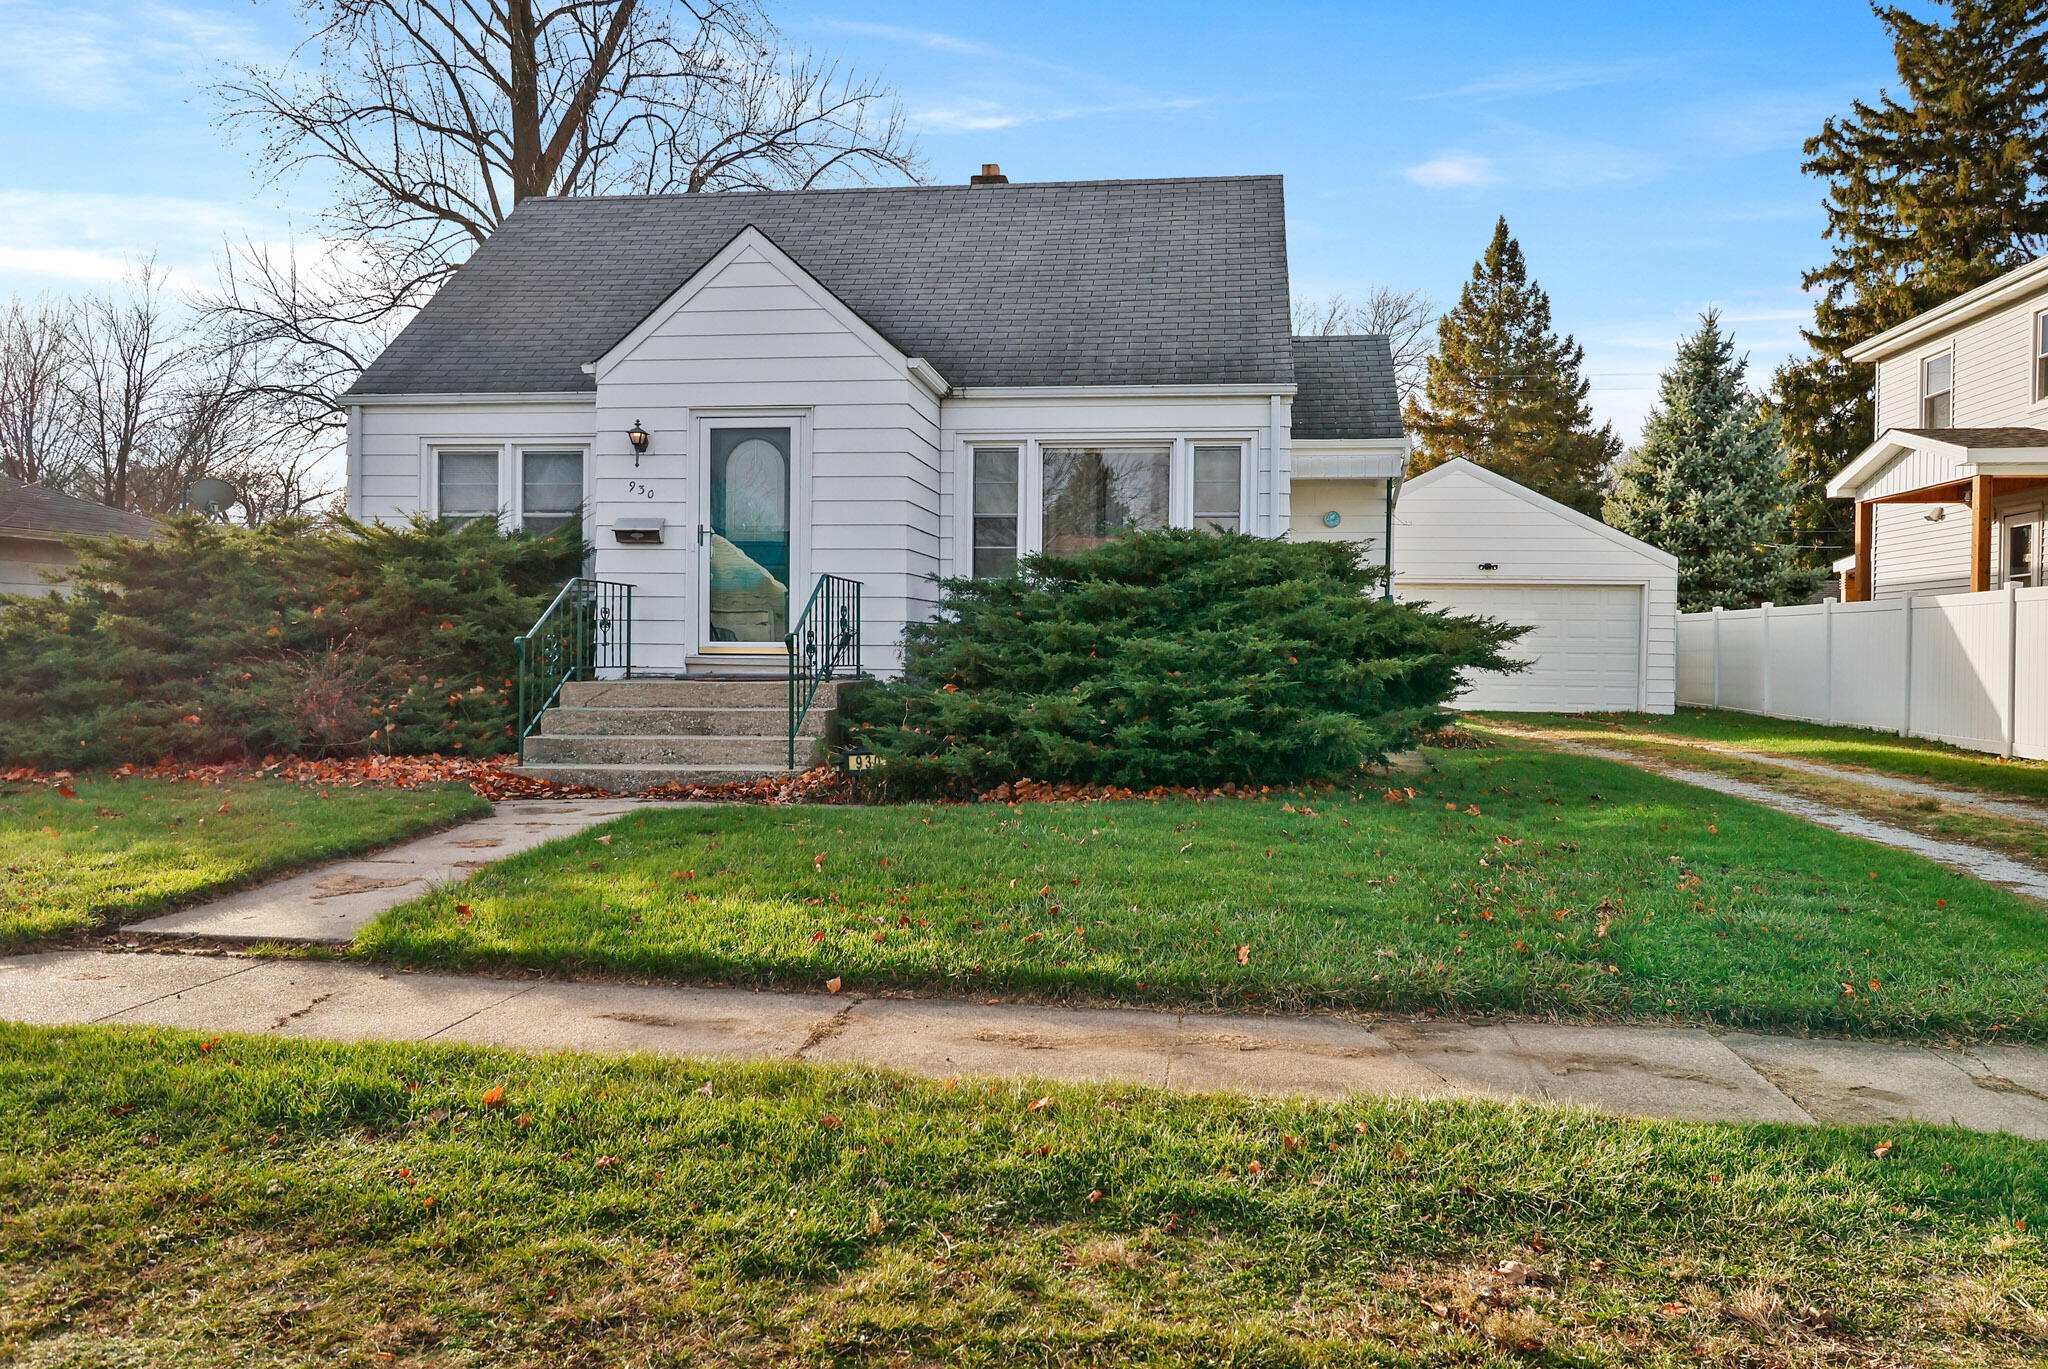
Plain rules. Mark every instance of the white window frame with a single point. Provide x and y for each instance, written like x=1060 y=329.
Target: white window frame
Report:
x=1030 y=445
x=2037 y=352
x=511 y=473
x=1949 y=351
x=517 y=463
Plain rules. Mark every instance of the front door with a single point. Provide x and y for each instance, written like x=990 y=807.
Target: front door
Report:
x=746 y=545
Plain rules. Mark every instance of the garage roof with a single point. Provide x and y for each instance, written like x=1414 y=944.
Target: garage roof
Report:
x=37 y=511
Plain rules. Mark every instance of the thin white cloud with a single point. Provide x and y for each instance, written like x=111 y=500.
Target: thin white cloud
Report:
x=72 y=239
x=1452 y=171
x=1545 y=80
x=114 y=57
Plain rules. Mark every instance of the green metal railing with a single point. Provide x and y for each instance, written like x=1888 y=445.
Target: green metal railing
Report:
x=825 y=640
x=588 y=628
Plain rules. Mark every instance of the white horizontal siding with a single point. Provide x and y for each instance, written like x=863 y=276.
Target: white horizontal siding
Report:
x=1361 y=505
x=24 y=560
x=1993 y=373
x=1909 y=555
x=389 y=471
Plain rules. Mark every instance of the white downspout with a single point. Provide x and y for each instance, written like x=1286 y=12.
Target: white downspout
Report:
x=1283 y=466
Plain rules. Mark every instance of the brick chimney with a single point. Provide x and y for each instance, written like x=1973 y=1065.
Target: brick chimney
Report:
x=991 y=174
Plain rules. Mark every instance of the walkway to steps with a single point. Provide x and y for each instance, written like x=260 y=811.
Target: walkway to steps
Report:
x=627 y=735
x=334 y=902
x=1637 y=1071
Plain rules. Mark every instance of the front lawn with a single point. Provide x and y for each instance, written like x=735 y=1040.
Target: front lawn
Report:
x=169 y=1199
x=115 y=850
x=1862 y=747
x=1517 y=880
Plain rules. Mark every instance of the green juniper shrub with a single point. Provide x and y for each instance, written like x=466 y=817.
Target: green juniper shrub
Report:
x=1168 y=657
x=214 y=643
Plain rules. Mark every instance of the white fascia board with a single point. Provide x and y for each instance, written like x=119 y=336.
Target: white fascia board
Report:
x=1945 y=316
x=748 y=239
x=1120 y=391
x=479 y=397
x=1459 y=464
x=1869 y=463
x=1350 y=459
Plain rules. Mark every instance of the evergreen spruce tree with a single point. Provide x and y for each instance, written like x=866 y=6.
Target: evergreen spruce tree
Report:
x=1708 y=483
x=1930 y=193
x=1504 y=390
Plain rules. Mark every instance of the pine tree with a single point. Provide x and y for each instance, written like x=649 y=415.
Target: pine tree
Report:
x=1504 y=390
x=1708 y=483
x=1929 y=194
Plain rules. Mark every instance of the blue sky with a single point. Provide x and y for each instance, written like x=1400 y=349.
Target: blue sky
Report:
x=1647 y=156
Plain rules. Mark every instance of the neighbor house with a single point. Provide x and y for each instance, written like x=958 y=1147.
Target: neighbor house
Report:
x=743 y=392
x=1949 y=498
x=35 y=520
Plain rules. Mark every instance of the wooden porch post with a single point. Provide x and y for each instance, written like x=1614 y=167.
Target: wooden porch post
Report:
x=1866 y=527
x=1981 y=501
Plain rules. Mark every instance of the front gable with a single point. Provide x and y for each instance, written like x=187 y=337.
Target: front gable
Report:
x=754 y=302
x=1460 y=513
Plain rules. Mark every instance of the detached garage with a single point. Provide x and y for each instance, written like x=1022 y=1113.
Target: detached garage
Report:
x=1603 y=606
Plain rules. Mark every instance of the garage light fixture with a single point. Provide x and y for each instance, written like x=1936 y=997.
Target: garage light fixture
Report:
x=1489 y=565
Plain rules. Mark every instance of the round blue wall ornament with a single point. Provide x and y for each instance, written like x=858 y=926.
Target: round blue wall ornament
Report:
x=1332 y=519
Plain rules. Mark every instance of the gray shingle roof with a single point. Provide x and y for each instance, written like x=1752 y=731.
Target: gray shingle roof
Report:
x=1991 y=438
x=1347 y=387
x=1066 y=283
x=34 y=511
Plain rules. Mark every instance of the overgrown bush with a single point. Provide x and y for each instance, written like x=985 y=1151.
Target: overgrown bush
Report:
x=220 y=643
x=1169 y=657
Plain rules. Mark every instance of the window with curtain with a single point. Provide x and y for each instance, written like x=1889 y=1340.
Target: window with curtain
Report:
x=1937 y=390
x=995 y=511
x=550 y=489
x=469 y=484
x=1093 y=493
x=1219 y=487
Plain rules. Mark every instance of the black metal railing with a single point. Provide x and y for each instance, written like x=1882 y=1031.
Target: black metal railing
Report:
x=824 y=641
x=588 y=628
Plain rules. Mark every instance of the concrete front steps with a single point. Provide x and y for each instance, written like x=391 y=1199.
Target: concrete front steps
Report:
x=629 y=735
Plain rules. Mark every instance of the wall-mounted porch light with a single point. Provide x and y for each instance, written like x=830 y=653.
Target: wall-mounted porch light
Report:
x=637 y=435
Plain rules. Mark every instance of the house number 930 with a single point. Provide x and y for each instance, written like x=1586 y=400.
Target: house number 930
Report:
x=639 y=489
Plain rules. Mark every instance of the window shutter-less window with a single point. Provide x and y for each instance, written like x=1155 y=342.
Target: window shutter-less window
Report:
x=1219 y=487
x=551 y=489
x=469 y=484
x=995 y=511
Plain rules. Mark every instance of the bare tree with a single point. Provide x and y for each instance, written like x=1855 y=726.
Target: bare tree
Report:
x=38 y=443
x=125 y=357
x=433 y=119
x=1406 y=317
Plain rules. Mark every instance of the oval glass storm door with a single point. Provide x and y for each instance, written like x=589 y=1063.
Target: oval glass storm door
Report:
x=748 y=501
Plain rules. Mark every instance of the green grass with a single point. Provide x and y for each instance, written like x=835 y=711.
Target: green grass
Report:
x=1518 y=880
x=1884 y=752
x=177 y=1200
x=124 y=849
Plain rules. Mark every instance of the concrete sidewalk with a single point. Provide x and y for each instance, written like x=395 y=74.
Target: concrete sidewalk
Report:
x=1638 y=1071
x=334 y=902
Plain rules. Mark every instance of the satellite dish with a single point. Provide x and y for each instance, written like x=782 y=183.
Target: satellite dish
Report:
x=211 y=497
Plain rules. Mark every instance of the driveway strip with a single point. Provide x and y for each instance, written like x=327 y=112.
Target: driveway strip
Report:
x=1668 y=1072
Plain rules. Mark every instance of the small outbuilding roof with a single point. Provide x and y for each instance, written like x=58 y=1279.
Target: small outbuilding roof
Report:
x=1346 y=388
x=37 y=511
x=1141 y=282
x=1459 y=469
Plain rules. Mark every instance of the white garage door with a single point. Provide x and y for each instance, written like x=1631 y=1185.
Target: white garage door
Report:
x=1585 y=651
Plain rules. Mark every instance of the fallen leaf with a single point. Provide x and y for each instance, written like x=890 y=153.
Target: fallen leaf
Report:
x=606 y=1161
x=1094 y=1195
x=1244 y=955
x=832 y=985
x=1675 y=1309
x=1881 y=1149
x=66 y=791
x=494 y=1095
x=704 y=1089
x=1514 y=1271
x=830 y=1121
x=1039 y=1104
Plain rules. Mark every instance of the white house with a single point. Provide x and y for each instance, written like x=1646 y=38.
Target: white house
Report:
x=881 y=384
x=35 y=520
x=1602 y=606
x=1950 y=497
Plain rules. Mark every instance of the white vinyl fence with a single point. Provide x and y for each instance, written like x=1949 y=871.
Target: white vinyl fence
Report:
x=1967 y=669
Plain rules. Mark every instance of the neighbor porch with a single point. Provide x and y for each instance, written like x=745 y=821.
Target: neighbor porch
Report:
x=1996 y=477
